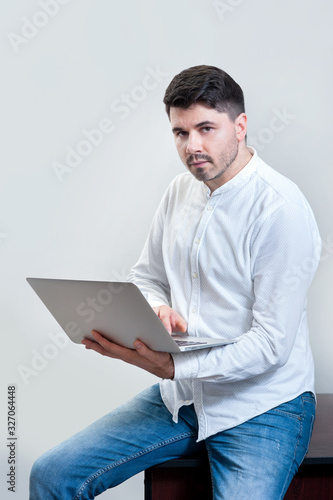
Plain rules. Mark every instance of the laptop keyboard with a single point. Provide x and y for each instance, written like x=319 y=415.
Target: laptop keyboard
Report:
x=181 y=343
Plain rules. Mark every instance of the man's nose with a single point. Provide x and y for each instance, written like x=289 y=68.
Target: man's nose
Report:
x=194 y=143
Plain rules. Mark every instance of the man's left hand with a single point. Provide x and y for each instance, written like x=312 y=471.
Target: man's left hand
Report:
x=157 y=363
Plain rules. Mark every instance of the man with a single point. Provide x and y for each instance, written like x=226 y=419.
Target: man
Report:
x=231 y=252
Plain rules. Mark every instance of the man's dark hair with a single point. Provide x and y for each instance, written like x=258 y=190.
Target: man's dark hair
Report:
x=206 y=85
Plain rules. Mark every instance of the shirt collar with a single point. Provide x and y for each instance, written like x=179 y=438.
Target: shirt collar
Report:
x=242 y=176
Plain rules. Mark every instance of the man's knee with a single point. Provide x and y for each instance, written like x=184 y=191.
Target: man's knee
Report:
x=36 y=476
x=42 y=476
x=39 y=471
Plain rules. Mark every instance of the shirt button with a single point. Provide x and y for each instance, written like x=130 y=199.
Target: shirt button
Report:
x=197 y=241
x=194 y=275
x=210 y=208
x=194 y=310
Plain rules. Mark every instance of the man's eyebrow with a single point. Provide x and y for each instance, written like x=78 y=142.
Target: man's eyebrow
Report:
x=198 y=125
x=204 y=124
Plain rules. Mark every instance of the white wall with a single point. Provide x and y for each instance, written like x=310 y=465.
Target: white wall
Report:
x=67 y=77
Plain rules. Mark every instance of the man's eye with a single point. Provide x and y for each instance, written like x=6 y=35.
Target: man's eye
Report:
x=181 y=134
x=206 y=129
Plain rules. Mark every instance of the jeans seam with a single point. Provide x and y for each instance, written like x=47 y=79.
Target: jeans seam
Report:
x=211 y=470
x=308 y=400
x=296 y=447
x=129 y=458
x=287 y=414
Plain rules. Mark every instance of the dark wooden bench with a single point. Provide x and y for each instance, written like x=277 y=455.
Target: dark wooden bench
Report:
x=189 y=478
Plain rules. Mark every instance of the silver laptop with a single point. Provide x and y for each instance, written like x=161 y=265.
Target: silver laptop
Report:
x=117 y=310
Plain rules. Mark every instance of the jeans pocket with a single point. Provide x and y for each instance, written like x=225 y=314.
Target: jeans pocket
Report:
x=310 y=434
x=293 y=408
x=309 y=414
x=308 y=397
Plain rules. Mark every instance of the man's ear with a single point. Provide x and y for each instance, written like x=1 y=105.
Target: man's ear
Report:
x=241 y=126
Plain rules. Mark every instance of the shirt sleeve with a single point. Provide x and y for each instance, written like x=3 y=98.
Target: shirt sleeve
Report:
x=285 y=252
x=148 y=274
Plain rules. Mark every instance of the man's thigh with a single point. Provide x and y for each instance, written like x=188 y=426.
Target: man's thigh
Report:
x=131 y=438
x=258 y=459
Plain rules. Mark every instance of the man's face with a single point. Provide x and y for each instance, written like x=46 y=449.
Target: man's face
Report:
x=207 y=142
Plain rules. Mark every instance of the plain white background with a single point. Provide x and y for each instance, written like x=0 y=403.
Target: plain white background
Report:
x=87 y=62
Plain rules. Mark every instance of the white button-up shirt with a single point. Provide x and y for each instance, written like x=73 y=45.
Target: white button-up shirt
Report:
x=237 y=262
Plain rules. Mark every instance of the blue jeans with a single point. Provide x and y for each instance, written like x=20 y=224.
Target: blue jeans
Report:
x=254 y=461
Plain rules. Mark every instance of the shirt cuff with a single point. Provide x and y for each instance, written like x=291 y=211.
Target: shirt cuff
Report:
x=157 y=303
x=186 y=365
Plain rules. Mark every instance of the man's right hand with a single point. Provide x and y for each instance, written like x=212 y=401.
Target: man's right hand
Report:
x=172 y=321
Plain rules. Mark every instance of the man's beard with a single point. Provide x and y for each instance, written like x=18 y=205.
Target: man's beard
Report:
x=225 y=160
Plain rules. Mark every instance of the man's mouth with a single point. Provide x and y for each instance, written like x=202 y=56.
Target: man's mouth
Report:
x=198 y=163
